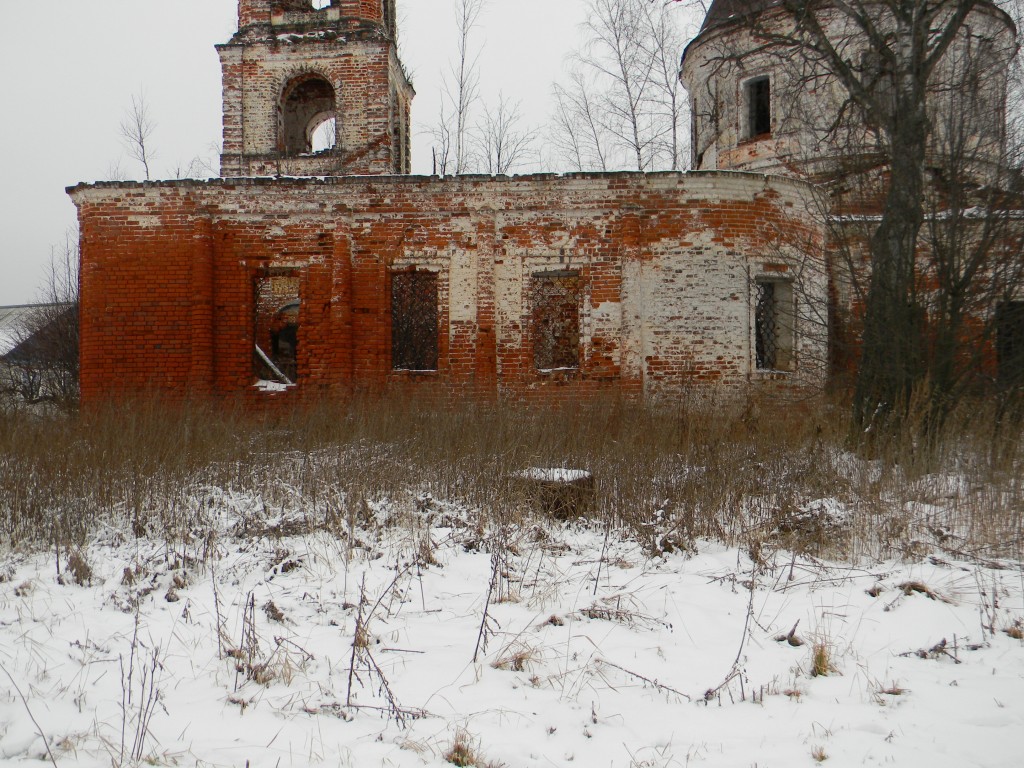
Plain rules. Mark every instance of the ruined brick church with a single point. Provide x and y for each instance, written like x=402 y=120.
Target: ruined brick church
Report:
x=316 y=264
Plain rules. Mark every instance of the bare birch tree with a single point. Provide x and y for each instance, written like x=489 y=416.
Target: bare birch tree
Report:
x=577 y=131
x=623 y=106
x=136 y=129
x=615 y=53
x=460 y=92
x=663 y=44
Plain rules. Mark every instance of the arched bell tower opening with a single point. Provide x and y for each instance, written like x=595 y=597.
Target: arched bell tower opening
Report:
x=308 y=104
x=315 y=88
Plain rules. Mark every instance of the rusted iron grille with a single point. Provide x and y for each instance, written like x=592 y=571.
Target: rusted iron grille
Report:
x=414 y=321
x=766 y=326
x=276 y=324
x=555 y=299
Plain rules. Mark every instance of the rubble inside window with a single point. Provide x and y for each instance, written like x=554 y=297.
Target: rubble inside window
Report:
x=414 y=321
x=555 y=299
x=276 y=326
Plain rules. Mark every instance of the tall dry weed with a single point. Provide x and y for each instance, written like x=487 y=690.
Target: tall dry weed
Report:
x=670 y=472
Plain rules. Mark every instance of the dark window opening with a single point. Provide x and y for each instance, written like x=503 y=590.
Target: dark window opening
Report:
x=773 y=325
x=308 y=105
x=406 y=139
x=555 y=298
x=759 y=107
x=276 y=326
x=397 y=143
x=414 y=321
x=1010 y=343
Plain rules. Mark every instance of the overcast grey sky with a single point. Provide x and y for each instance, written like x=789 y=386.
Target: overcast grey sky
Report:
x=68 y=70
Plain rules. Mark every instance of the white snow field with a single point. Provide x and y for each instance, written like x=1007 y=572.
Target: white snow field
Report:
x=591 y=653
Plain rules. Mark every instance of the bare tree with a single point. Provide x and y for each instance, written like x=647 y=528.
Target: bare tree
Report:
x=442 y=149
x=897 y=104
x=115 y=171
x=43 y=364
x=196 y=168
x=616 y=52
x=576 y=129
x=623 y=105
x=502 y=142
x=136 y=130
x=460 y=93
x=663 y=43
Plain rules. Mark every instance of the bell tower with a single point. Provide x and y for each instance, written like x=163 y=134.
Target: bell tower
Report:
x=315 y=88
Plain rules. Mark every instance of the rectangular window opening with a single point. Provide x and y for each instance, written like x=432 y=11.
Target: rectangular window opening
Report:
x=414 y=321
x=555 y=299
x=276 y=308
x=773 y=325
x=759 y=107
x=1010 y=343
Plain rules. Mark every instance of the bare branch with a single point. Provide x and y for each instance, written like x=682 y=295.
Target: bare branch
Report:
x=502 y=143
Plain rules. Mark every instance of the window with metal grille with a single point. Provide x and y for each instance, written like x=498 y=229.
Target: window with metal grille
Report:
x=773 y=325
x=555 y=299
x=276 y=306
x=414 y=322
x=1010 y=343
x=759 y=107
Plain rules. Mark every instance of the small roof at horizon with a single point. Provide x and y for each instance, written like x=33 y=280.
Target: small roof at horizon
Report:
x=11 y=319
x=722 y=11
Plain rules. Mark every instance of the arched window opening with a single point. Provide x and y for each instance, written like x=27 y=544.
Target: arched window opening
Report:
x=307 y=104
x=321 y=4
x=324 y=135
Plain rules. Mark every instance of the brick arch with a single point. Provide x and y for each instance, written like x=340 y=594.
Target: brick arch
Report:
x=306 y=99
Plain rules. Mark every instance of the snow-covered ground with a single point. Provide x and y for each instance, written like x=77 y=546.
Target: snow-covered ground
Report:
x=591 y=653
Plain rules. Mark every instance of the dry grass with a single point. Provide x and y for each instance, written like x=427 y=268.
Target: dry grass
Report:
x=465 y=752
x=822 y=659
x=516 y=657
x=678 y=472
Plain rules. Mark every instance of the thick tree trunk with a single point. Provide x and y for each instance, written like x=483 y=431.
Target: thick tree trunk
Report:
x=891 y=362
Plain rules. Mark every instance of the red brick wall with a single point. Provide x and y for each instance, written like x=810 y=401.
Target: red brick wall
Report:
x=664 y=261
